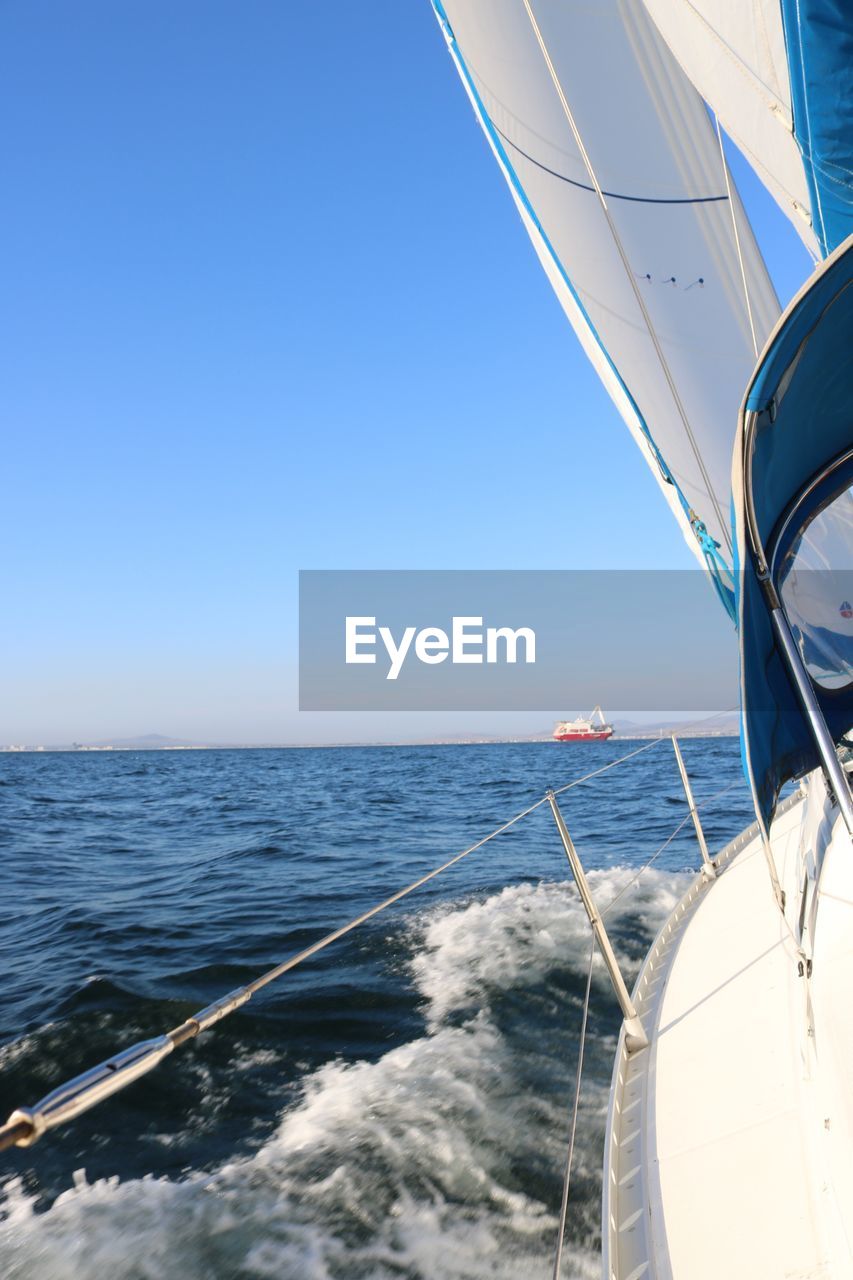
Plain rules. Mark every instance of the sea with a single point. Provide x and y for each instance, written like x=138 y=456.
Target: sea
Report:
x=398 y=1107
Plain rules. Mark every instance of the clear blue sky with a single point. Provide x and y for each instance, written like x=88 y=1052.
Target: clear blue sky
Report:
x=267 y=305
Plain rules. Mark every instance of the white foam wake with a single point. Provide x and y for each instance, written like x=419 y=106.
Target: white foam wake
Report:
x=436 y=1161
x=515 y=937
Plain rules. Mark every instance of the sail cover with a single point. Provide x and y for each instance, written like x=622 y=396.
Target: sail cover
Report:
x=617 y=172
x=779 y=75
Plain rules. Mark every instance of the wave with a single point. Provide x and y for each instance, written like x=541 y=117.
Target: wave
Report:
x=441 y=1159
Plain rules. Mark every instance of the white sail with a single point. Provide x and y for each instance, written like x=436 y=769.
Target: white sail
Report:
x=734 y=52
x=617 y=173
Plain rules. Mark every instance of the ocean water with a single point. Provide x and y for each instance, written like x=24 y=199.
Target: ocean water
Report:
x=396 y=1108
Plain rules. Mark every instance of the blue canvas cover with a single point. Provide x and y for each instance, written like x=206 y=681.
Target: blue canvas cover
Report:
x=819 y=43
x=802 y=392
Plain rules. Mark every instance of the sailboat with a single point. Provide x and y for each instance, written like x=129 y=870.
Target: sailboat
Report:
x=729 y=1148
x=729 y=1144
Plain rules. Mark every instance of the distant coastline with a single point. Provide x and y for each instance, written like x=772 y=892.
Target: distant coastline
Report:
x=718 y=727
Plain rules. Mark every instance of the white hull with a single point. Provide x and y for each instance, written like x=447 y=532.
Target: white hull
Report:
x=729 y=1148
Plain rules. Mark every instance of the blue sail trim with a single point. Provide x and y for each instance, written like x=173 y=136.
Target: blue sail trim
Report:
x=819 y=45
x=717 y=567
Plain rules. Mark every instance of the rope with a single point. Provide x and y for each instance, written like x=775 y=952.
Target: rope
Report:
x=567 y=1176
x=558 y=791
x=630 y=274
x=644 y=868
x=285 y=966
x=667 y=842
x=293 y=961
x=706 y=720
x=737 y=237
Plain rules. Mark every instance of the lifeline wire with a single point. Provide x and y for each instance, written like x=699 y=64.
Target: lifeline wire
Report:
x=667 y=842
x=567 y=786
x=279 y=969
x=567 y=1176
x=26 y=1125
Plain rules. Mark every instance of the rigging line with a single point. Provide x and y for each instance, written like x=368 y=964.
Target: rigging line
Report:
x=611 y=195
x=724 y=530
x=667 y=842
x=644 y=868
x=737 y=237
x=567 y=1176
x=681 y=729
x=576 y=782
x=25 y=1125
x=278 y=970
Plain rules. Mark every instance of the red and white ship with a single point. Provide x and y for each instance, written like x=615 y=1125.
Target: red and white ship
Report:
x=595 y=729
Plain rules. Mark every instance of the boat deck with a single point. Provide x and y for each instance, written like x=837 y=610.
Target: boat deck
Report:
x=713 y=1143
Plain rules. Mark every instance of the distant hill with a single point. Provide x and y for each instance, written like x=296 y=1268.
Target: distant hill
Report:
x=146 y=742
x=726 y=724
